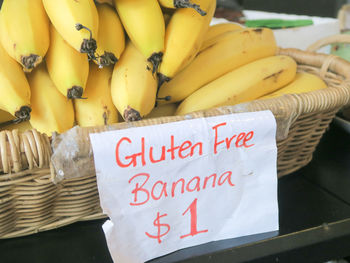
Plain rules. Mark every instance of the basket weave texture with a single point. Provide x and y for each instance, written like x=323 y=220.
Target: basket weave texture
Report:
x=30 y=202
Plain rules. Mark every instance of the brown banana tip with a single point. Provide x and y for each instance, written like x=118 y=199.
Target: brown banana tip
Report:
x=155 y=59
x=30 y=62
x=75 y=92
x=79 y=26
x=106 y=59
x=23 y=114
x=89 y=46
x=131 y=114
x=111 y=57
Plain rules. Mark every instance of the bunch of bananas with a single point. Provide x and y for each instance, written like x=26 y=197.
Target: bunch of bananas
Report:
x=70 y=62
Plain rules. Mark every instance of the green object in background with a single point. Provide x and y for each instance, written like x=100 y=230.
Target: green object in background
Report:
x=341 y=49
x=278 y=23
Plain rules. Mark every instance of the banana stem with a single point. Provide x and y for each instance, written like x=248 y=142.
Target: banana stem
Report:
x=22 y=115
x=79 y=27
x=155 y=59
x=88 y=46
x=7 y=123
x=167 y=98
x=161 y=79
x=188 y=4
x=105 y=118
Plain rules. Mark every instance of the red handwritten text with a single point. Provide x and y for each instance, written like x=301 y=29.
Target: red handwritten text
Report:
x=143 y=191
x=184 y=150
x=240 y=140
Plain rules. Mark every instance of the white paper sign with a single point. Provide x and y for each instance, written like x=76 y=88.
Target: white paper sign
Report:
x=176 y=185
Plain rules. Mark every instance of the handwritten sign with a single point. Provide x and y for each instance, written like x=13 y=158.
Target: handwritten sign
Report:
x=176 y=185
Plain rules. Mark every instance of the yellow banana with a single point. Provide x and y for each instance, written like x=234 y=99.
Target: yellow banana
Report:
x=5 y=116
x=162 y=111
x=144 y=23
x=68 y=68
x=218 y=31
x=244 y=84
x=221 y=28
x=183 y=38
x=111 y=39
x=182 y=4
x=76 y=21
x=14 y=88
x=303 y=82
x=242 y=47
x=98 y=108
x=110 y=2
x=25 y=31
x=51 y=111
x=133 y=86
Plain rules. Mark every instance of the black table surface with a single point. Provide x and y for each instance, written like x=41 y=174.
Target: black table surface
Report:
x=314 y=210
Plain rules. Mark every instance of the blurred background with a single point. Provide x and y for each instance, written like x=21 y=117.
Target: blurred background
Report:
x=324 y=8
x=328 y=8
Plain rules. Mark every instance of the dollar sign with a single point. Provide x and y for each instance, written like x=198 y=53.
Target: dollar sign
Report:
x=156 y=223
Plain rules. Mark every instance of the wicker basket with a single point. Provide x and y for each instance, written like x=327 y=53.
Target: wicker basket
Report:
x=30 y=202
